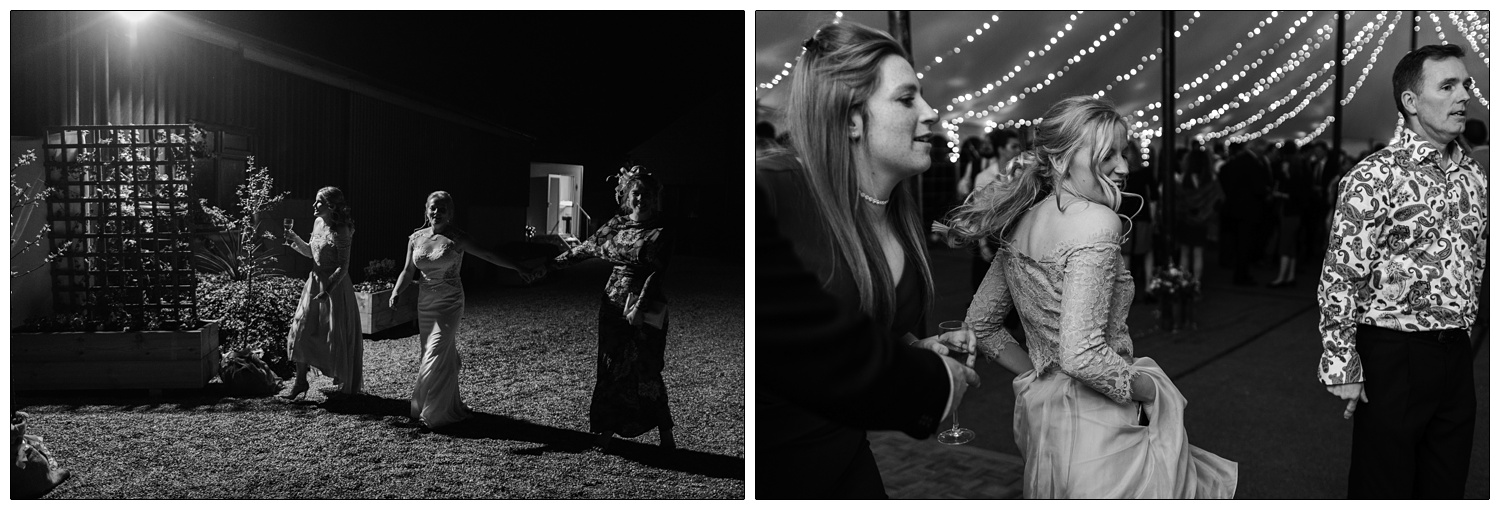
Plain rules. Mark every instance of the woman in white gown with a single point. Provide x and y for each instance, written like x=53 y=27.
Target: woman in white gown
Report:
x=434 y=257
x=1091 y=419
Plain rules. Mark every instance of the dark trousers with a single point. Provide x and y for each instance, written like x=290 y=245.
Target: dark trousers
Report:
x=1414 y=437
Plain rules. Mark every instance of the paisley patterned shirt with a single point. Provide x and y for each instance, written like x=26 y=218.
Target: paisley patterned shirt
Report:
x=1406 y=252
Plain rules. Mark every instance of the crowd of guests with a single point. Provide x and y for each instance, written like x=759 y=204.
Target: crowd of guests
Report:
x=1262 y=204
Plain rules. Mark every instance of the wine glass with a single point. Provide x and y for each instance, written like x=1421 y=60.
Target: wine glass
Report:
x=956 y=435
x=286 y=226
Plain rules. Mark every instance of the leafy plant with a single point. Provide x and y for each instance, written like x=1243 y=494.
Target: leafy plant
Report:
x=1171 y=281
x=253 y=314
x=23 y=202
x=247 y=255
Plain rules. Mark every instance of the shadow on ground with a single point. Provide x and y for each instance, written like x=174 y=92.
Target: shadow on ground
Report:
x=553 y=439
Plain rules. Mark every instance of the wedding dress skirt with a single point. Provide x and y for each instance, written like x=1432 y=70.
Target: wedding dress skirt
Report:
x=1080 y=444
x=436 y=400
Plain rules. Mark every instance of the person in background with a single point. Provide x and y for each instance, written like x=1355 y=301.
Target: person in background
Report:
x=1139 y=184
x=1398 y=293
x=1290 y=199
x=939 y=183
x=1198 y=200
x=1007 y=144
x=1478 y=137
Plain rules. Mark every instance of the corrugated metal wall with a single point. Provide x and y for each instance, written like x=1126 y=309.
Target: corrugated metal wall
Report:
x=86 y=68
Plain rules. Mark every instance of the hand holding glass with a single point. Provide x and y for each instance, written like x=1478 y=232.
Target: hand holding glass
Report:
x=286 y=226
x=956 y=434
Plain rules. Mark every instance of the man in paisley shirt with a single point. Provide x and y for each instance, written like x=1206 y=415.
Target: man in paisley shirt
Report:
x=1398 y=292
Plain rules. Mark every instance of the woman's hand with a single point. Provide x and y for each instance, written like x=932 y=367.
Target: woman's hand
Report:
x=395 y=296
x=1142 y=388
x=952 y=341
x=321 y=295
x=291 y=238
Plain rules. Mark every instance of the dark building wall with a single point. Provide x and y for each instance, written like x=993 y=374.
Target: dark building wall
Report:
x=91 y=68
x=703 y=173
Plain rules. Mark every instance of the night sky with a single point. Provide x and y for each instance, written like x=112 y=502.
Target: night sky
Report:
x=589 y=85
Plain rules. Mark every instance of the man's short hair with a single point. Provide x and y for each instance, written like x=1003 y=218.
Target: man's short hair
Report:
x=1408 y=75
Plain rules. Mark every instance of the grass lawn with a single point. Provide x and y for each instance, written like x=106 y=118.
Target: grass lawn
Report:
x=528 y=372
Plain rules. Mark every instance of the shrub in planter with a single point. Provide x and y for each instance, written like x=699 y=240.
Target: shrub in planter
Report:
x=373 y=296
x=256 y=320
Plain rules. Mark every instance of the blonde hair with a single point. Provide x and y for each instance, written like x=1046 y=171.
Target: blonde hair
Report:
x=832 y=82
x=1073 y=124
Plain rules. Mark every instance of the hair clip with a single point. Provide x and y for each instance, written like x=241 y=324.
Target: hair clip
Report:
x=811 y=44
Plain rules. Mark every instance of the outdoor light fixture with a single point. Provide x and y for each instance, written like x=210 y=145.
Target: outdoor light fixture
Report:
x=135 y=16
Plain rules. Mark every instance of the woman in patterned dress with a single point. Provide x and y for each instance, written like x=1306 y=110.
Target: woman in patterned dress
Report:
x=434 y=258
x=630 y=397
x=325 y=330
x=1091 y=419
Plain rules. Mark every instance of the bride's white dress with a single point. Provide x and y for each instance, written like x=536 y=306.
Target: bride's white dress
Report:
x=440 y=308
x=1075 y=423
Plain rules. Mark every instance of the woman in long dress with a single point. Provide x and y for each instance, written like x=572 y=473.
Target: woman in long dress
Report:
x=1091 y=419
x=859 y=131
x=325 y=330
x=434 y=257
x=630 y=396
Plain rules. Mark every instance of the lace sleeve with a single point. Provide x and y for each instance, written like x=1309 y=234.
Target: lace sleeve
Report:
x=988 y=309
x=1083 y=351
x=589 y=247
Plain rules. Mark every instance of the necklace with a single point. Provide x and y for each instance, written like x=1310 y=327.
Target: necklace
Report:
x=873 y=200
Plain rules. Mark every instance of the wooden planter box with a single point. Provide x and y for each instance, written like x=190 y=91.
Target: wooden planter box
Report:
x=114 y=360
x=375 y=313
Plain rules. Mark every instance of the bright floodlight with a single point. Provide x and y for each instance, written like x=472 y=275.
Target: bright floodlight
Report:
x=135 y=16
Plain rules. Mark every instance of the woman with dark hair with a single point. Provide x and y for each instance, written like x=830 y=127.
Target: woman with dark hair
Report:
x=325 y=330
x=1091 y=419
x=434 y=258
x=859 y=129
x=630 y=396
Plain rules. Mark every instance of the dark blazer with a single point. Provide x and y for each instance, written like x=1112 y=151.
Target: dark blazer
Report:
x=1247 y=184
x=824 y=372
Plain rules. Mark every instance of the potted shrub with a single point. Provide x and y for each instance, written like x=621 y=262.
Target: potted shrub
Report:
x=374 y=297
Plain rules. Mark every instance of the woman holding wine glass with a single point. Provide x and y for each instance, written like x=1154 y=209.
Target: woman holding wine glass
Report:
x=859 y=128
x=325 y=330
x=1092 y=420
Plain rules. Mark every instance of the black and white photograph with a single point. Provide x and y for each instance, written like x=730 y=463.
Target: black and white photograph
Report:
x=999 y=253
x=459 y=255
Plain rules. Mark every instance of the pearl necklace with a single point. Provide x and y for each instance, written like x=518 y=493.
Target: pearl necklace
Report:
x=873 y=200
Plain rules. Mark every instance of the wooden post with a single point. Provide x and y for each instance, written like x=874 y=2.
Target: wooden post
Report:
x=900 y=23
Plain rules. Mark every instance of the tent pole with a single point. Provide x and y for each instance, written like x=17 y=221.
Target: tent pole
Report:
x=900 y=23
x=1338 y=102
x=1166 y=163
x=1415 y=24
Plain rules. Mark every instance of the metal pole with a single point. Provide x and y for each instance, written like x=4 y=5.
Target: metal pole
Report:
x=1338 y=101
x=900 y=22
x=1166 y=161
x=1416 y=22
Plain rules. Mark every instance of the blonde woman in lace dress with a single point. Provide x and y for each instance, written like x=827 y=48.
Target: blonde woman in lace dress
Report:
x=325 y=330
x=1091 y=419
x=434 y=258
